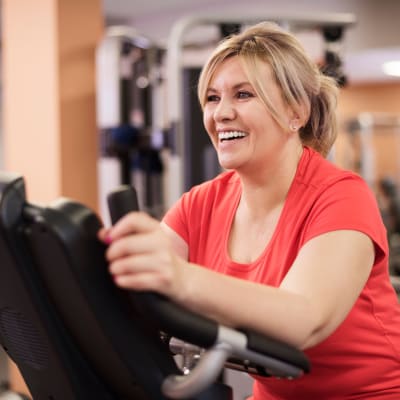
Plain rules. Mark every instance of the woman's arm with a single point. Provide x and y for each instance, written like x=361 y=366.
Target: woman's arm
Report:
x=178 y=244
x=313 y=299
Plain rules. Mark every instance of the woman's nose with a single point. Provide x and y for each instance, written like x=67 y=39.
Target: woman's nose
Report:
x=224 y=111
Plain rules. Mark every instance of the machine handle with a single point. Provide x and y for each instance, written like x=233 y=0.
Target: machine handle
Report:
x=121 y=201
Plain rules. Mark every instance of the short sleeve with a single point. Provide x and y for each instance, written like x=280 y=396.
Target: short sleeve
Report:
x=176 y=217
x=348 y=204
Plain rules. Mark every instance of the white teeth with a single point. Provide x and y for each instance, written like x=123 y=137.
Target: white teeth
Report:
x=230 y=135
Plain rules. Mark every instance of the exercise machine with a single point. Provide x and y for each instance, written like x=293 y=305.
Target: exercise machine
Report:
x=75 y=335
x=129 y=108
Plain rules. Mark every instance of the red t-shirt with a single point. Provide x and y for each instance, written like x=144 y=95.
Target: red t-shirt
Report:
x=361 y=359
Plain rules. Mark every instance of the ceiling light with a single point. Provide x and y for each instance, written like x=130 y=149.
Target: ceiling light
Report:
x=391 y=68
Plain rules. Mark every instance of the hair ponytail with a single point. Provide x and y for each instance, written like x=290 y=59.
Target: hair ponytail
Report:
x=320 y=130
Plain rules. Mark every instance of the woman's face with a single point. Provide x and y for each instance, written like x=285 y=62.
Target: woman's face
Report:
x=242 y=130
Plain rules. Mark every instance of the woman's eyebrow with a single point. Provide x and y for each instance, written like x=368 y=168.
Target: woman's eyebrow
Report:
x=236 y=86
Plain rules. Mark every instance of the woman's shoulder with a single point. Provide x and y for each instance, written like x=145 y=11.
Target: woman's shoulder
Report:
x=214 y=193
x=320 y=172
x=224 y=181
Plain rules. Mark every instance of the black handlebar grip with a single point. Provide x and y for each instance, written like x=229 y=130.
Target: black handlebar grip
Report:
x=121 y=201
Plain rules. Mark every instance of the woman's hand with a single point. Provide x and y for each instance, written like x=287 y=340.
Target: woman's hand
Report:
x=142 y=257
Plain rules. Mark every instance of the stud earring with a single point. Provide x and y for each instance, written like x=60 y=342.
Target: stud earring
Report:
x=293 y=127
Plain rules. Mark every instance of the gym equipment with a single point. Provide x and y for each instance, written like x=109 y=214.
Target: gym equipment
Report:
x=371 y=148
x=129 y=118
x=375 y=144
x=75 y=335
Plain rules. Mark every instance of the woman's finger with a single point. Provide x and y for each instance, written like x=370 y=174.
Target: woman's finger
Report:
x=103 y=234
x=132 y=264
x=136 y=266
x=134 y=222
x=140 y=282
x=134 y=244
x=138 y=263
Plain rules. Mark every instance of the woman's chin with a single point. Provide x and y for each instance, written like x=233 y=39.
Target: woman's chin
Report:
x=228 y=164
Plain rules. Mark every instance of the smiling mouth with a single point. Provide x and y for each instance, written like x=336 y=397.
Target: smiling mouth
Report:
x=232 y=135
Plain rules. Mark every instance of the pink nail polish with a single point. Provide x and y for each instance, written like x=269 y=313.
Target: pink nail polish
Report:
x=108 y=239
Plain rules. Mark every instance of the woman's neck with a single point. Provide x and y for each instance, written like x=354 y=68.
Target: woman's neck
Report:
x=264 y=192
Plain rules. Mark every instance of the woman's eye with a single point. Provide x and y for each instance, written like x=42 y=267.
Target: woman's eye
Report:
x=244 y=95
x=212 y=97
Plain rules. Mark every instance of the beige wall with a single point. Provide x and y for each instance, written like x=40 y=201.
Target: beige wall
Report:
x=369 y=97
x=49 y=124
x=374 y=98
x=30 y=95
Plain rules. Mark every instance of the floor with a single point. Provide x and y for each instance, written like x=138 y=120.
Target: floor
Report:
x=3 y=367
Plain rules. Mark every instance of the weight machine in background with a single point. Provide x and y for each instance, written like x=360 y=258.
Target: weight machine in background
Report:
x=150 y=122
x=373 y=152
x=375 y=143
x=129 y=116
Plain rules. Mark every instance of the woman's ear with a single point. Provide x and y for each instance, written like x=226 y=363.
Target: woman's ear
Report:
x=296 y=120
x=295 y=123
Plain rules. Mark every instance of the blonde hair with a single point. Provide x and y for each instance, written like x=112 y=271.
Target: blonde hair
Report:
x=304 y=88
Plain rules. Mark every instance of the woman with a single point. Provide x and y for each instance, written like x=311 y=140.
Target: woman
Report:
x=283 y=242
